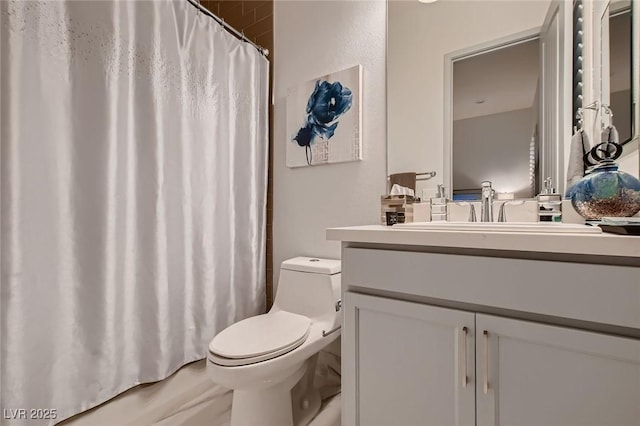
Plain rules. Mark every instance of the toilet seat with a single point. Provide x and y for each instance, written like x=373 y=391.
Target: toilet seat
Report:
x=259 y=338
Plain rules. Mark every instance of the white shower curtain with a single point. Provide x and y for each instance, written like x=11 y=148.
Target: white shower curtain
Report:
x=134 y=160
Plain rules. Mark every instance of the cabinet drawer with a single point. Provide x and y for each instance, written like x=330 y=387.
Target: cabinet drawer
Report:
x=597 y=293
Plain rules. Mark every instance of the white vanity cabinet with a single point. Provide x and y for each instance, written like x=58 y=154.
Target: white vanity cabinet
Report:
x=542 y=339
x=405 y=363
x=416 y=364
x=531 y=374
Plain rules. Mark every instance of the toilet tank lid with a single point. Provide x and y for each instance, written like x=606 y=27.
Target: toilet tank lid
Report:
x=313 y=264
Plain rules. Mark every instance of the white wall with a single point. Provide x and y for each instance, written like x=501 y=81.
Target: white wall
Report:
x=311 y=39
x=480 y=146
x=420 y=35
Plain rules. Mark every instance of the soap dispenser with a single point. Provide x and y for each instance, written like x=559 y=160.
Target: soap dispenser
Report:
x=549 y=203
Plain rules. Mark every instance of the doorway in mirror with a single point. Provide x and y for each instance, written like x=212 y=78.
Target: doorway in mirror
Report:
x=496 y=121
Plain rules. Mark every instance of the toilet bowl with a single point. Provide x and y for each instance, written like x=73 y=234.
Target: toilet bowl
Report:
x=269 y=360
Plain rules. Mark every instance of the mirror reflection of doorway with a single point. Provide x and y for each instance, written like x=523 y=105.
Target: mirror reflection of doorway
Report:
x=496 y=121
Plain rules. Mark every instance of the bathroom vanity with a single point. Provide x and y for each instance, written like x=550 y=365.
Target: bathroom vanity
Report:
x=446 y=327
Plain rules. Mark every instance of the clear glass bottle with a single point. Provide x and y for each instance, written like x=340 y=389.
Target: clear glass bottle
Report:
x=606 y=191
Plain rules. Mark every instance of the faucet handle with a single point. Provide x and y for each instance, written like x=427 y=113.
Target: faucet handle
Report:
x=487 y=189
x=501 y=215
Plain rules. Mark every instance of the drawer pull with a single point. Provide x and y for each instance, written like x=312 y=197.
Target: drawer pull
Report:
x=465 y=379
x=485 y=339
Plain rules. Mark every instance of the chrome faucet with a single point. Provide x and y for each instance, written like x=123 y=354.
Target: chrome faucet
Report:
x=472 y=210
x=486 y=208
x=502 y=215
x=472 y=213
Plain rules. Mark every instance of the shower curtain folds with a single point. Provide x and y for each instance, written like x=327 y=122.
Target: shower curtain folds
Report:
x=133 y=193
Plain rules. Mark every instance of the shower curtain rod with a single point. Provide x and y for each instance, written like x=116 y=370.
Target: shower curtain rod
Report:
x=240 y=35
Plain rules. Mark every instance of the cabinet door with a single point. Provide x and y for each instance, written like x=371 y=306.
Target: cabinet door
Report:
x=404 y=363
x=529 y=374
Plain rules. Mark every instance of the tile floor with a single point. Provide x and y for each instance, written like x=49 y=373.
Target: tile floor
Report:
x=189 y=398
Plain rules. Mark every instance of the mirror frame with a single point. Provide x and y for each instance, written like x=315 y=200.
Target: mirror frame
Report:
x=555 y=128
x=605 y=67
x=635 y=69
x=449 y=59
x=593 y=55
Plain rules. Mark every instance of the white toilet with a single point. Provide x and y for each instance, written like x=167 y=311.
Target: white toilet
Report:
x=269 y=360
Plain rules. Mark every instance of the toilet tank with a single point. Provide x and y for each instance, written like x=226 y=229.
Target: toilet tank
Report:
x=310 y=286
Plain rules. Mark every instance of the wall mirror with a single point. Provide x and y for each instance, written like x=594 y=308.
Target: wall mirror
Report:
x=611 y=72
x=423 y=37
x=616 y=62
x=495 y=95
x=618 y=88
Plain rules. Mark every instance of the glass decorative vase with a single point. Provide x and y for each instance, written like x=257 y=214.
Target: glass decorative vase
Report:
x=606 y=192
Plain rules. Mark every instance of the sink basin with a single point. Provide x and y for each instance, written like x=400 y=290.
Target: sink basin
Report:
x=535 y=227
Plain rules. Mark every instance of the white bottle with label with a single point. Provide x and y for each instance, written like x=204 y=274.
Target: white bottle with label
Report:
x=439 y=206
x=549 y=203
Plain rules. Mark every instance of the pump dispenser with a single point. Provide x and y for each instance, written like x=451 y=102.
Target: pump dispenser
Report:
x=549 y=203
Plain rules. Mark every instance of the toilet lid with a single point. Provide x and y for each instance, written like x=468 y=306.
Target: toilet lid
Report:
x=261 y=335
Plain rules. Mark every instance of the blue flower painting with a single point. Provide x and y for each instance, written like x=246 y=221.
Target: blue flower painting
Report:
x=329 y=102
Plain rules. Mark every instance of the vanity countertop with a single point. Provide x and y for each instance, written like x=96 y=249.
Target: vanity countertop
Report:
x=573 y=244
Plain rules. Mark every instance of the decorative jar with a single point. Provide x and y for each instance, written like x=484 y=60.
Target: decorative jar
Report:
x=606 y=191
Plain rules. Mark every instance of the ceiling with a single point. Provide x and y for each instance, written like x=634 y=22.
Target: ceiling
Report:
x=505 y=79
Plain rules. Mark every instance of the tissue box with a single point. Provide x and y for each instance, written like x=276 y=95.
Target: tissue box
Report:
x=398 y=204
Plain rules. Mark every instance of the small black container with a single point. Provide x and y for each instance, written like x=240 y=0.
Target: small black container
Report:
x=392 y=218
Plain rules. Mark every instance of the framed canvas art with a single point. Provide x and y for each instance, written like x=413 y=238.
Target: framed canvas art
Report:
x=324 y=116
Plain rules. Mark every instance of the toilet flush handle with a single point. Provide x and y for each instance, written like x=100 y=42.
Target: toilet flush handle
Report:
x=338 y=306
x=326 y=333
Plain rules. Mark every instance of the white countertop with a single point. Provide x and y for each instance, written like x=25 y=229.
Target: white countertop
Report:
x=583 y=244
